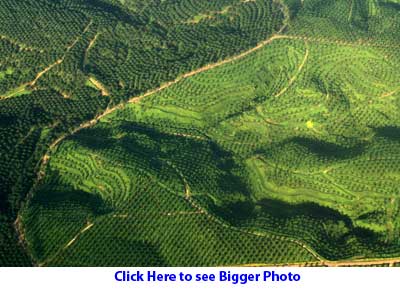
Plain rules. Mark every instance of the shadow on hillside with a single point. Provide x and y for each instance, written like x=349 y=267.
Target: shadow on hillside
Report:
x=90 y=203
x=389 y=132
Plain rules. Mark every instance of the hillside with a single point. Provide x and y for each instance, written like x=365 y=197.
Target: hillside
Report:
x=63 y=62
x=200 y=133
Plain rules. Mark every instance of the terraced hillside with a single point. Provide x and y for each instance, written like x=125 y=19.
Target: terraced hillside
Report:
x=284 y=153
x=64 y=61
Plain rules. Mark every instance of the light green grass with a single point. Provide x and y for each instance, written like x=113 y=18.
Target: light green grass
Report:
x=8 y=71
x=20 y=91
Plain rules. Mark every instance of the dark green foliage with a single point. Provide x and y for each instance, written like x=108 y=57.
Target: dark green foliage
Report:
x=50 y=50
x=291 y=148
x=11 y=254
